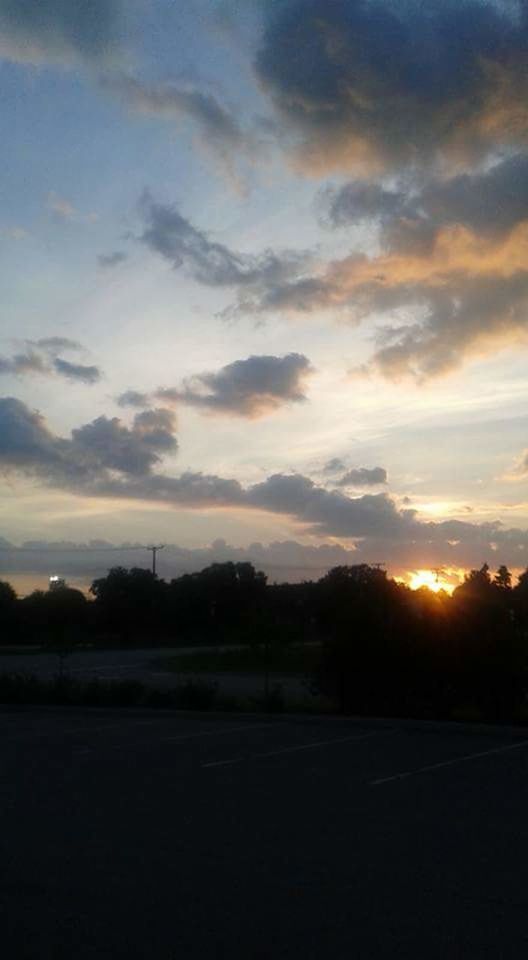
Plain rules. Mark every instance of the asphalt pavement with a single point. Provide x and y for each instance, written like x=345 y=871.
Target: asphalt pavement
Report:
x=140 y=834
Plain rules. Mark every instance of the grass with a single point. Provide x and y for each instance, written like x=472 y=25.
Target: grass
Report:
x=293 y=661
x=191 y=694
x=18 y=689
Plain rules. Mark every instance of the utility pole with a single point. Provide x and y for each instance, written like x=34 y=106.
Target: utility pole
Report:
x=154 y=549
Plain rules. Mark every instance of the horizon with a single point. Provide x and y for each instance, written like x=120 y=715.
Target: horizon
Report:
x=80 y=564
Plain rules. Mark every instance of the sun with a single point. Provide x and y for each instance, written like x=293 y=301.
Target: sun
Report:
x=430 y=579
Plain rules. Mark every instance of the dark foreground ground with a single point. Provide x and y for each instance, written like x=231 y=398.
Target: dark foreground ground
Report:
x=141 y=835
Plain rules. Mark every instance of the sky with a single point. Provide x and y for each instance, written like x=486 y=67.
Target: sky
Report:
x=265 y=285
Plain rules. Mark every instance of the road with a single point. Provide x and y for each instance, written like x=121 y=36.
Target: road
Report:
x=140 y=834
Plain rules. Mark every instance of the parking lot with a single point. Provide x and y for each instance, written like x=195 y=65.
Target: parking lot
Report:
x=142 y=834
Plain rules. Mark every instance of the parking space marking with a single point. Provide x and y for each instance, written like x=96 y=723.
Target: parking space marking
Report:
x=448 y=763
x=304 y=746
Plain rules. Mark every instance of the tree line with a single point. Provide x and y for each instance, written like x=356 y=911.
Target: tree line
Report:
x=383 y=647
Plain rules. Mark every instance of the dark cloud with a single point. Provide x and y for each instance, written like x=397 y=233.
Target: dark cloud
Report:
x=57 y=345
x=28 y=363
x=190 y=489
x=22 y=364
x=486 y=202
x=450 y=281
x=285 y=560
x=217 y=127
x=59 y=31
x=358 y=200
x=447 y=289
x=318 y=510
x=93 y=451
x=335 y=465
x=468 y=316
x=373 y=85
x=41 y=357
x=25 y=440
x=108 y=443
x=133 y=398
x=280 y=560
x=156 y=428
x=363 y=477
x=169 y=234
x=77 y=371
x=107 y=459
x=109 y=260
x=331 y=512
x=247 y=388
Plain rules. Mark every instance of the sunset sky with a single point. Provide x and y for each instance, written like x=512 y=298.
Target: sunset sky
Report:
x=265 y=285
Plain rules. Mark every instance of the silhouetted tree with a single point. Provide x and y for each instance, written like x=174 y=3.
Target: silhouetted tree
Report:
x=503 y=578
x=130 y=602
x=385 y=648
x=8 y=603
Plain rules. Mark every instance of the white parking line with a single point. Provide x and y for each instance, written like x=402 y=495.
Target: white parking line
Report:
x=448 y=763
x=303 y=746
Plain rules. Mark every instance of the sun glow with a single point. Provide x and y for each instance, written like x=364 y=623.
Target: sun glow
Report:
x=431 y=579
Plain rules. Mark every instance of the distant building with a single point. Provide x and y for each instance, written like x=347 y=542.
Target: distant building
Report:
x=56 y=583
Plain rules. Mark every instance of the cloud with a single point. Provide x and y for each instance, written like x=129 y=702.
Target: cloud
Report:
x=133 y=398
x=464 y=295
x=219 y=131
x=41 y=357
x=58 y=344
x=519 y=469
x=77 y=371
x=489 y=202
x=469 y=317
x=92 y=453
x=450 y=281
x=330 y=512
x=64 y=210
x=108 y=443
x=373 y=86
x=247 y=388
x=26 y=363
x=25 y=440
x=106 y=459
x=363 y=477
x=156 y=428
x=63 y=32
x=358 y=200
x=168 y=233
x=335 y=465
x=281 y=560
x=109 y=260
